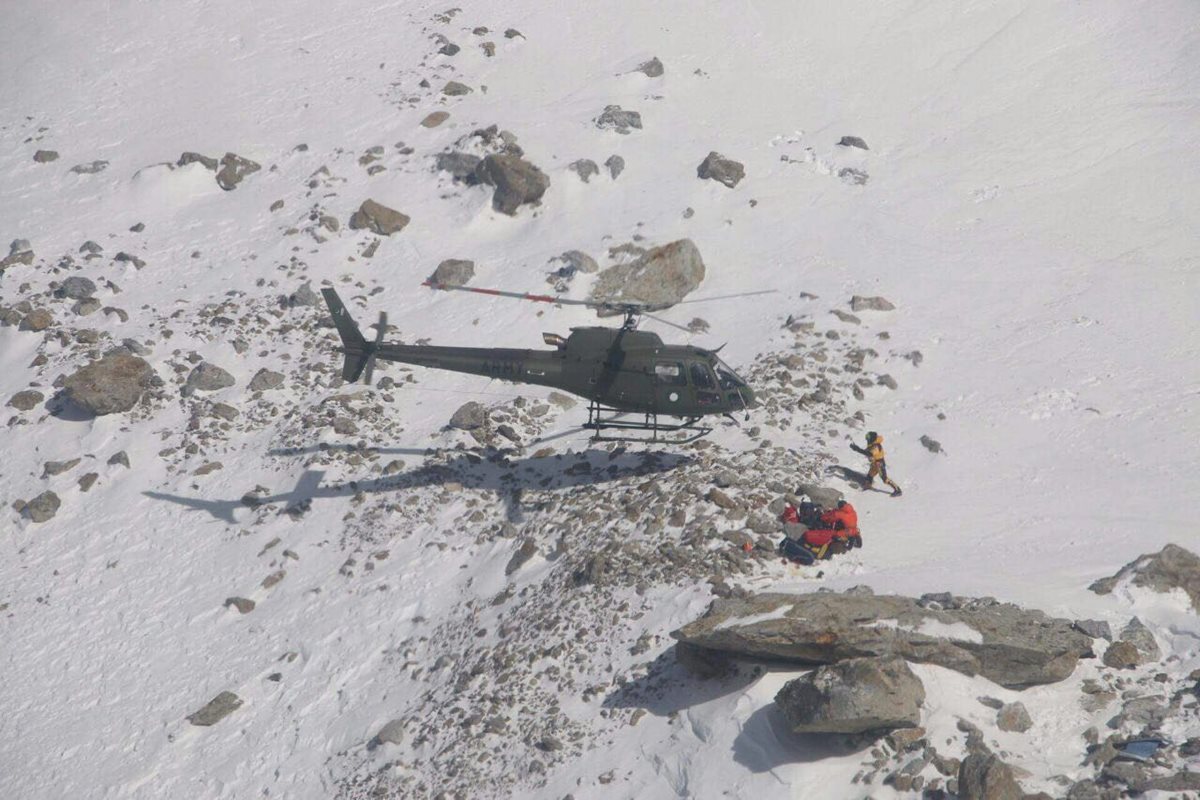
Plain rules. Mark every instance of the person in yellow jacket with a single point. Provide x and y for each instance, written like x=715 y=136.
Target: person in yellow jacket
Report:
x=874 y=451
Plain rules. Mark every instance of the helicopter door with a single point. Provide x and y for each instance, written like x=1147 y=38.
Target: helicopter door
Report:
x=670 y=386
x=705 y=383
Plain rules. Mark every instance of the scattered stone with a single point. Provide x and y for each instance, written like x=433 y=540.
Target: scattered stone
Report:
x=1173 y=567
x=1097 y=629
x=265 y=380
x=517 y=181
x=45 y=156
x=242 y=604
x=853 y=141
x=469 y=416
x=456 y=89
x=210 y=467
x=274 y=578
x=378 y=218
x=76 y=287
x=87 y=481
x=90 y=306
x=616 y=119
x=860 y=303
x=513 y=33
x=278 y=204
x=985 y=777
x=217 y=709
x=43 y=507
x=112 y=385
x=585 y=168
x=1137 y=634
x=208 y=162
x=234 y=169
x=39 y=319
x=449 y=49
x=131 y=259
x=51 y=468
x=206 y=377
x=932 y=445
x=1014 y=718
x=853 y=696
x=720 y=499
x=90 y=168
x=659 y=278
x=26 y=400
x=305 y=296
x=616 y=165
x=526 y=551
x=119 y=457
x=453 y=272
x=721 y=169
x=1122 y=655
x=651 y=69
x=435 y=118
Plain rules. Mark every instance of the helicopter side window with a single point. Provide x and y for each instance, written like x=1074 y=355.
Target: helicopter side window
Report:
x=728 y=378
x=701 y=375
x=670 y=373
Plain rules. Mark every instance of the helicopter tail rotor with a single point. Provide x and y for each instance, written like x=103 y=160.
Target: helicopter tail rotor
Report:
x=360 y=354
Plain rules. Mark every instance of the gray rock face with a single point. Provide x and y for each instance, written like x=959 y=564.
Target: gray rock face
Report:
x=853 y=141
x=216 y=710
x=265 y=380
x=453 y=272
x=45 y=156
x=206 y=377
x=111 y=385
x=585 y=168
x=1011 y=646
x=659 y=278
x=860 y=303
x=305 y=296
x=469 y=416
x=234 y=169
x=76 y=287
x=721 y=169
x=821 y=495
x=615 y=118
x=516 y=180
x=461 y=166
x=854 y=696
x=378 y=218
x=615 y=165
x=43 y=507
x=651 y=69
x=26 y=400
x=985 y=777
x=1138 y=635
x=1014 y=717
x=91 y=168
x=1173 y=567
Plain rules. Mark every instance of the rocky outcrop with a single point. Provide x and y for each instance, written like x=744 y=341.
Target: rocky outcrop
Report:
x=614 y=118
x=517 y=182
x=1171 y=568
x=659 y=278
x=453 y=272
x=378 y=218
x=723 y=170
x=853 y=696
x=1011 y=646
x=112 y=385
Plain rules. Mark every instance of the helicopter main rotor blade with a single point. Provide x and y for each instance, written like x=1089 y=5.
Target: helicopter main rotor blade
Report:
x=727 y=296
x=539 y=298
x=666 y=322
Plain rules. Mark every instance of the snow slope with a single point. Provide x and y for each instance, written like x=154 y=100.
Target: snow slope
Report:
x=1034 y=185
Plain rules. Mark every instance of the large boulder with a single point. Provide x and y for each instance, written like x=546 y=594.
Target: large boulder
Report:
x=469 y=416
x=854 y=696
x=614 y=118
x=234 y=169
x=378 y=218
x=111 y=385
x=43 y=507
x=1011 y=646
x=453 y=272
x=723 y=170
x=1170 y=568
x=461 y=166
x=516 y=180
x=659 y=278
x=206 y=377
x=76 y=287
x=982 y=776
x=823 y=496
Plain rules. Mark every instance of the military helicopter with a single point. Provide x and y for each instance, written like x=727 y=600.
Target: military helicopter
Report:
x=619 y=371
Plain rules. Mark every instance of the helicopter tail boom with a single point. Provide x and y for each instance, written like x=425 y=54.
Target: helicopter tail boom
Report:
x=357 y=349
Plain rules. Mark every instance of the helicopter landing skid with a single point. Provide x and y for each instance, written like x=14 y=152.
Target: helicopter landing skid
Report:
x=602 y=419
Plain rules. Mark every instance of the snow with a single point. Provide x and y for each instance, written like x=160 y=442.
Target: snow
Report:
x=1030 y=211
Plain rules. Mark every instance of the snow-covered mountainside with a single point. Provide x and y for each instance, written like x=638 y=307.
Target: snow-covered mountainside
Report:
x=402 y=608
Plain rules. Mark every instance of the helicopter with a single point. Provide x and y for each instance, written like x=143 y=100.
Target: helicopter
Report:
x=619 y=371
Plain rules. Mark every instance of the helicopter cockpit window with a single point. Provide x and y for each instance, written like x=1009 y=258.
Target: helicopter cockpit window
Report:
x=701 y=376
x=728 y=378
x=670 y=372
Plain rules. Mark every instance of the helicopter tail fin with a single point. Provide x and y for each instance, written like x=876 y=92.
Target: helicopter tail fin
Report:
x=355 y=347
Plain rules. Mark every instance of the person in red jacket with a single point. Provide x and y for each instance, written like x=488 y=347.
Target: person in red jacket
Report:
x=844 y=517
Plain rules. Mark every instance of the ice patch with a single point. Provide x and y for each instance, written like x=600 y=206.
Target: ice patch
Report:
x=955 y=631
x=778 y=613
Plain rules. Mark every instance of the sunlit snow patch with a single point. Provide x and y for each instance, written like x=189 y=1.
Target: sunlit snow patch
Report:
x=777 y=613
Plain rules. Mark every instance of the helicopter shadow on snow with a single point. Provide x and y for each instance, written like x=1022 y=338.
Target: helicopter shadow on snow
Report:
x=511 y=479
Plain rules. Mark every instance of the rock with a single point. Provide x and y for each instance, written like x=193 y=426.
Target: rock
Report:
x=217 y=709
x=860 y=303
x=526 y=551
x=208 y=468
x=88 y=306
x=91 y=168
x=932 y=445
x=585 y=168
x=821 y=495
x=305 y=296
x=651 y=69
x=1014 y=718
x=242 y=604
x=513 y=33
x=1173 y=567
x=124 y=257
x=278 y=204
x=616 y=165
x=853 y=141
x=112 y=385
x=850 y=175
x=435 y=118
x=119 y=457
x=1011 y=646
x=1122 y=655
x=853 y=696
x=469 y=416
x=43 y=507
x=19 y=252
x=985 y=777
x=76 y=288
x=449 y=49
x=456 y=89
x=51 y=468
x=702 y=663
x=1137 y=634
x=1097 y=629
x=234 y=169
x=616 y=119
x=226 y=412
x=208 y=162
x=516 y=180
x=720 y=499
x=573 y=261
x=39 y=319
x=659 y=278
x=721 y=169
x=45 y=156
x=87 y=481
x=378 y=218
x=206 y=377
x=391 y=733
x=461 y=166
x=453 y=272
x=265 y=380
x=26 y=400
